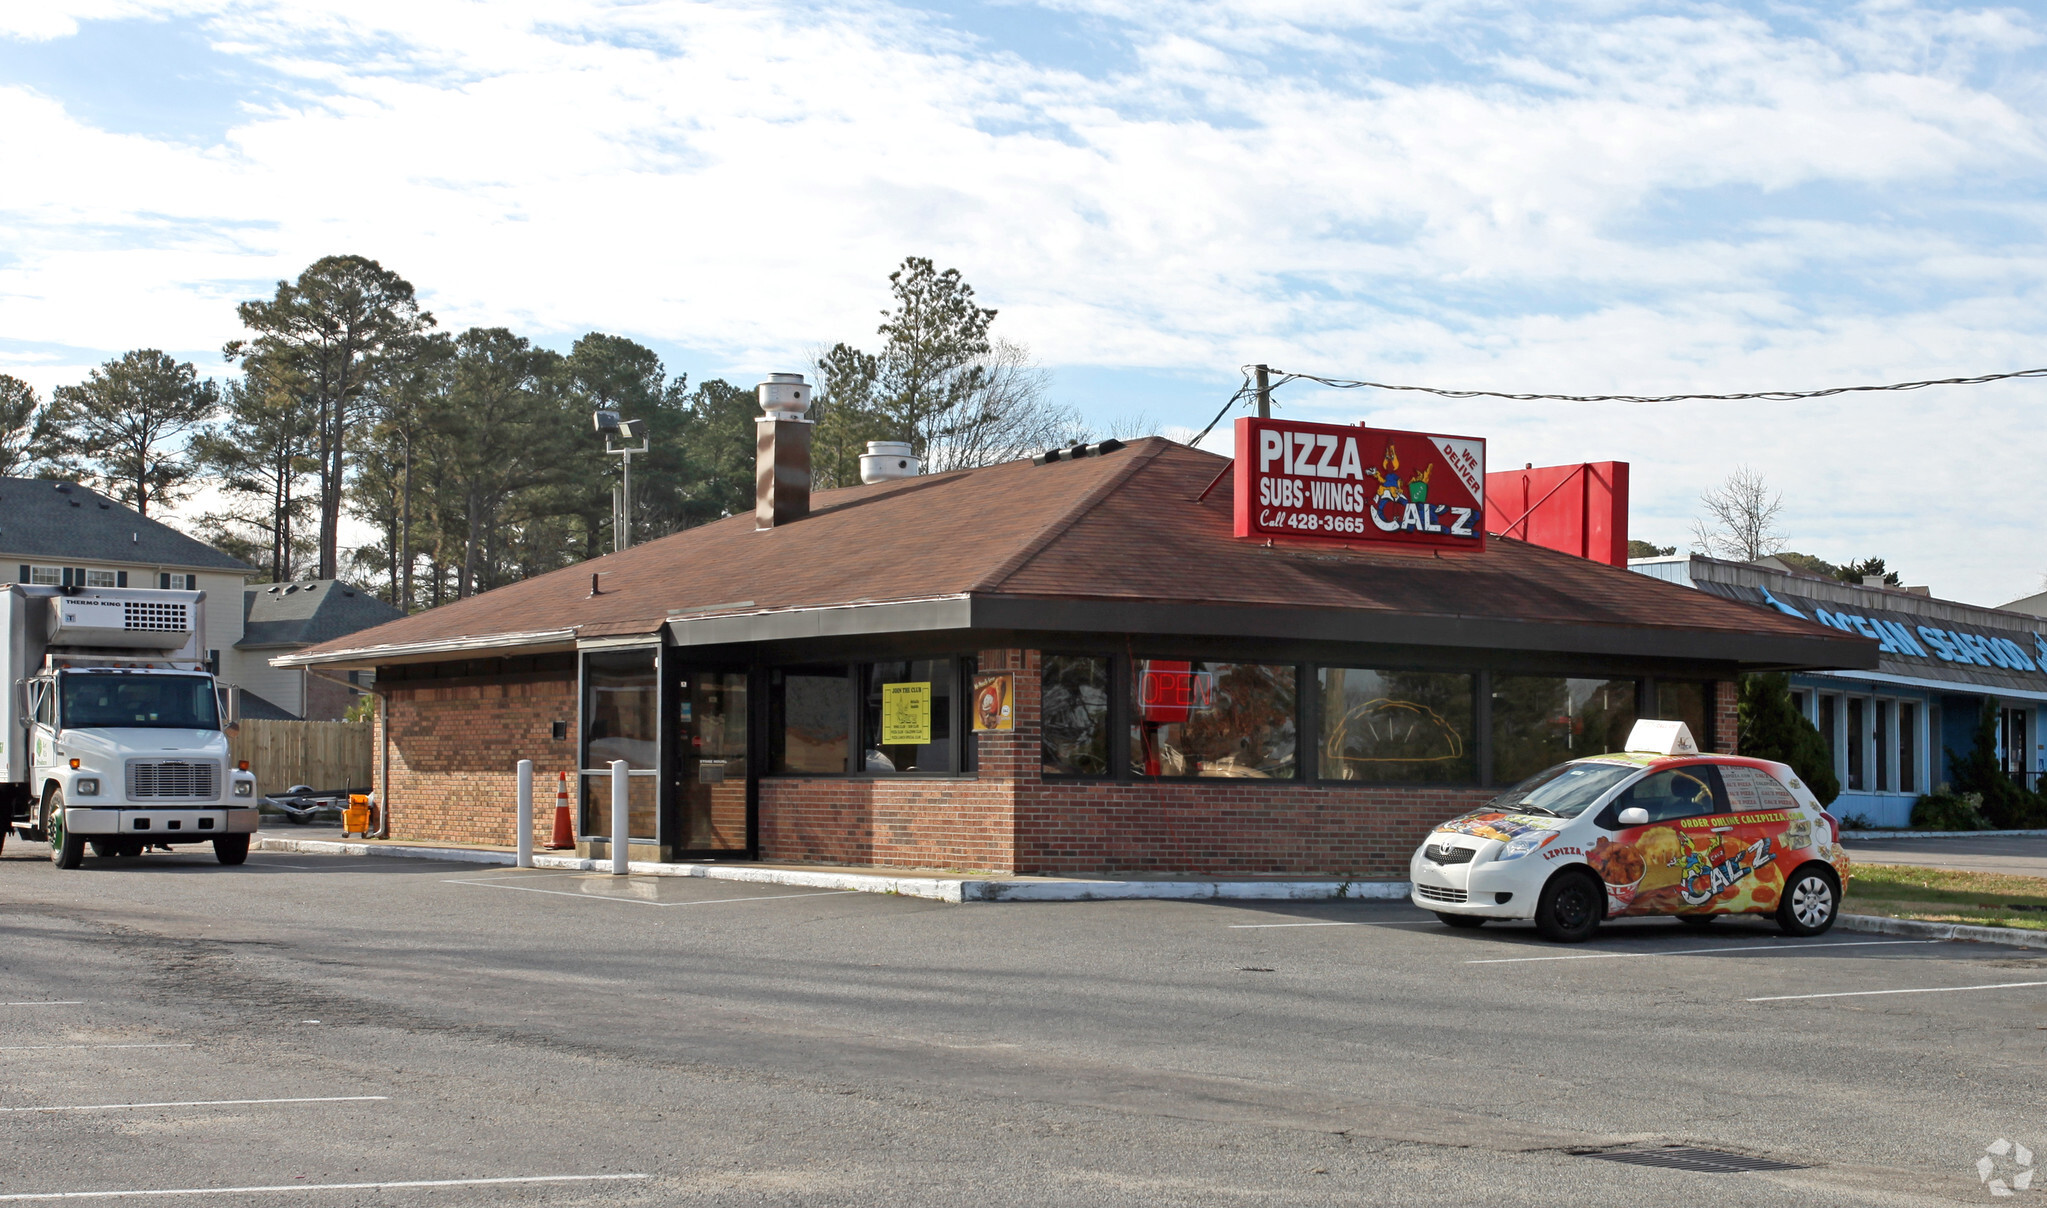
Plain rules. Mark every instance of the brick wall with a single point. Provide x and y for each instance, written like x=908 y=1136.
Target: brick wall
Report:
x=454 y=757
x=1726 y=721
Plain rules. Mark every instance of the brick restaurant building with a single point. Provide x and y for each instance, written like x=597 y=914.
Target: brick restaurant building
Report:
x=1072 y=665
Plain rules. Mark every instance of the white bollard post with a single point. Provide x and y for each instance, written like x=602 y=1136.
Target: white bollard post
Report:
x=620 y=836
x=525 y=813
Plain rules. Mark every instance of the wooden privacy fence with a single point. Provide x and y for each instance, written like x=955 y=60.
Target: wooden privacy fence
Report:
x=323 y=754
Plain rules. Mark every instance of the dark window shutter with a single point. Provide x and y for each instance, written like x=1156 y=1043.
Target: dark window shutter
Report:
x=67 y=576
x=164 y=580
x=120 y=578
x=24 y=572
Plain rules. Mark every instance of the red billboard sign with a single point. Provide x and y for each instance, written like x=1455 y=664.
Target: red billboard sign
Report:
x=1332 y=482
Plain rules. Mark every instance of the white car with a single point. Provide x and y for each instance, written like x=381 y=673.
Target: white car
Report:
x=1659 y=829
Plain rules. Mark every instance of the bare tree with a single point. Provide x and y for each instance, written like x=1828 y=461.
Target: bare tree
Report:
x=1741 y=518
x=1003 y=416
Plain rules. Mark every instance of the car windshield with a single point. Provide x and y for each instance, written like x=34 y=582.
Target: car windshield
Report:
x=1564 y=790
x=171 y=702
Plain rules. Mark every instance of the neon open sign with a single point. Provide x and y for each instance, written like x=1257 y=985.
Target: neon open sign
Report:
x=1169 y=692
x=1331 y=482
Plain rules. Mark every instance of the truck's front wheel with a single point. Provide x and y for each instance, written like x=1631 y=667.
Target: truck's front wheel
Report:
x=231 y=849
x=66 y=849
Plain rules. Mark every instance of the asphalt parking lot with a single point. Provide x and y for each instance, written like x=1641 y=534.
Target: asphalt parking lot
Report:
x=2023 y=855
x=396 y=1031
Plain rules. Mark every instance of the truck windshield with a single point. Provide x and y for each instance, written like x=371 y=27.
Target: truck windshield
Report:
x=1564 y=790
x=166 y=702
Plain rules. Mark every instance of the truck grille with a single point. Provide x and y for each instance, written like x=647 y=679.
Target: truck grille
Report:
x=173 y=778
x=1436 y=893
x=152 y=616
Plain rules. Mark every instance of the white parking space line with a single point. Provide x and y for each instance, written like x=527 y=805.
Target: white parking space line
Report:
x=1269 y=926
x=123 y=1107
x=20 y=1048
x=300 y=1187
x=606 y=897
x=69 y=1002
x=1607 y=956
x=1922 y=990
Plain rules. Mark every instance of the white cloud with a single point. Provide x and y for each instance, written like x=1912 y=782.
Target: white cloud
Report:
x=1580 y=198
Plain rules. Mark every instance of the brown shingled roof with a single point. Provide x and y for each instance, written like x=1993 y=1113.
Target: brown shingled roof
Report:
x=1121 y=528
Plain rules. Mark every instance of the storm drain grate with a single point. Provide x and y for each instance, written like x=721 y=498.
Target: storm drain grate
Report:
x=1686 y=1157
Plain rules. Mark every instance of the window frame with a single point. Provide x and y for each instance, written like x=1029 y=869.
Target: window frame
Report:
x=965 y=748
x=1111 y=663
x=1311 y=702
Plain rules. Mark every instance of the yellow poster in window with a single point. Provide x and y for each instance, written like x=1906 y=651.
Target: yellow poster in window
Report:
x=905 y=714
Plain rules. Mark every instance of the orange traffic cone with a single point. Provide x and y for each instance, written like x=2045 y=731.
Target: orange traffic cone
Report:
x=564 y=833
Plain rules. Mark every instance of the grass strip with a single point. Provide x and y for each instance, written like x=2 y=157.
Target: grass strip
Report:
x=1939 y=895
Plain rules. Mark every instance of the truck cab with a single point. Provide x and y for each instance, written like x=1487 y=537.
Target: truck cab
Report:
x=118 y=739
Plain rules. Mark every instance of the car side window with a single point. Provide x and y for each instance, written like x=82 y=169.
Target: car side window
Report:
x=1686 y=792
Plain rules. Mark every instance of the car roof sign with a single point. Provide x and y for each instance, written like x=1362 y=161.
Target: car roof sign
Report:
x=1662 y=738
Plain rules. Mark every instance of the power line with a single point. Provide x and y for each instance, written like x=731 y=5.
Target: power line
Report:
x=1282 y=377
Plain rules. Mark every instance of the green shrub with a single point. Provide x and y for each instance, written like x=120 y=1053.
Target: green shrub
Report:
x=2006 y=804
x=1773 y=728
x=1949 y=811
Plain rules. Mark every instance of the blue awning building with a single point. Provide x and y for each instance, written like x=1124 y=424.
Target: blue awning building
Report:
x=1894 y=731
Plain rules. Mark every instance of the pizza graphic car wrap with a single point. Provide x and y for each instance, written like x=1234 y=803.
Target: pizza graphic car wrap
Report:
x=1496 y=824
x=1707 y=865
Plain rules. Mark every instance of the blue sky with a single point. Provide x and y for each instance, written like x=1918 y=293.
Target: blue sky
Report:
x=1583 y=198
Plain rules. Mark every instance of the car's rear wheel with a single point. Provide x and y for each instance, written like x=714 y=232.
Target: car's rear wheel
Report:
x=231 y=849
x=1812 y=899
x=1698 y=920
x=1571 y=907
x=1465 y=921
x=66 y=849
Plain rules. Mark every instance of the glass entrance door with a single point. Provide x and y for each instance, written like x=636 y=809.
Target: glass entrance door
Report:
x=711 y=799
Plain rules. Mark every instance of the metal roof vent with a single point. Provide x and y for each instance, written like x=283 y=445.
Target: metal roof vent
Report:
x=784 y=396
x=887 y=460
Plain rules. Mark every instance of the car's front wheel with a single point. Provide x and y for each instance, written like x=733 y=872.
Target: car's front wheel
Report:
x=66 y=849
x=1812 y=898
x=1570 y=908
x=1465 y=921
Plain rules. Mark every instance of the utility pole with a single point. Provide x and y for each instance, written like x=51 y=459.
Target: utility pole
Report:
x=608 y=422
x=1264 y=392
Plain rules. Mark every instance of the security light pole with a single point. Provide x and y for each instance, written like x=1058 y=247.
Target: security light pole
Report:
x=609 y=423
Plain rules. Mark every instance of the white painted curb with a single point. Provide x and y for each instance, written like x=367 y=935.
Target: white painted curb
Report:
x=942 y=889
x=1859 y=836
x=1920 y=929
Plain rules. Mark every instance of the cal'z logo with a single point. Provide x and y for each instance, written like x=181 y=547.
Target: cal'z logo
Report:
x=1704 y=878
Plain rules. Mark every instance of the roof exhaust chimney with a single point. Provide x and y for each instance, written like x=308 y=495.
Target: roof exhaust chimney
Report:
x=781 y=474
x=886 y=460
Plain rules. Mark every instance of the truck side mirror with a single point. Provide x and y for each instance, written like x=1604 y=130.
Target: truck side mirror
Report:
x=230 y=702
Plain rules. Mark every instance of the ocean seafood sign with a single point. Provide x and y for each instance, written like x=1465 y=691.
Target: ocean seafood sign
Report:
x=1332 y=482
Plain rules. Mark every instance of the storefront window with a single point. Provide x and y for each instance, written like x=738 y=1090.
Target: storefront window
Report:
x=1829 y=711
x=1540 y=720
x=1856 y=707
x=1213 y=719
x=1883 y=745
x=1689 y=702
x=1074 y=715
x=621 y=720
x=1908 y=742
x=1396 y=727
x=809 y=711
x=906 y=714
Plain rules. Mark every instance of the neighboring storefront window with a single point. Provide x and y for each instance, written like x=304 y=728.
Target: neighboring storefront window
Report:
x=1074 y=715
x=621 y=720
x=1540 y=720
x=809 y=710
x=1908 y=747
x=1396 y=727
x=1856 y=709
x=906 y=714
x=1691 y=703
x=1213 y=719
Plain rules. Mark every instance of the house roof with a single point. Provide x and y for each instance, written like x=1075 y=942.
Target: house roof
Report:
x=43 y=520
x=302 y=613
x=1115 y=543
x=2035 y=605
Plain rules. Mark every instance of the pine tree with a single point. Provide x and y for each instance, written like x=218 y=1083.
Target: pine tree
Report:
x=1771 y=727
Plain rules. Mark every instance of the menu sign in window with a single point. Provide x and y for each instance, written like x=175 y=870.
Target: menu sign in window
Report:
x=1332 y=482
x=905 y=714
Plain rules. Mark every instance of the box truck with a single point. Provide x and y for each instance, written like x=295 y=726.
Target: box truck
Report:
x=115 y=734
